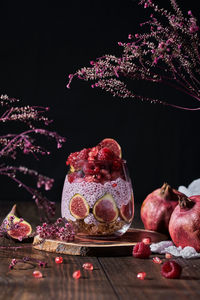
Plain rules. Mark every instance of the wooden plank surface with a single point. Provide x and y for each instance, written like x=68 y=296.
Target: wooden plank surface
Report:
x=112 y=277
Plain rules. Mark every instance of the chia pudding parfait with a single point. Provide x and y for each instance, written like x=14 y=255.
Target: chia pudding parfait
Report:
x=97 y=195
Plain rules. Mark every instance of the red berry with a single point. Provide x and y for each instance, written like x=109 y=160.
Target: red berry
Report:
x=59 y=260
x=171 y=269
x=71 y=177
x=168 y=255
x=37 y=274
x=157 y=260
x=76 y=274
x=88 y=266
x=141 y=250
x=89 y=168
x=105 y=154
x=114 y=184
x=146 y=240
x=141 y=275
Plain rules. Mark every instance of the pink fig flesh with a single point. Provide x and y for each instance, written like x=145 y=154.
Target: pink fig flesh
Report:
x=127 y=211
x=105 y=209
x=79 y=207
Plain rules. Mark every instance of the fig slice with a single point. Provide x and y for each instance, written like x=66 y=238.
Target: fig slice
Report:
x=22 y=230
x=79 y=207
x=126 y=212
x=105 y=209
x=112 y=145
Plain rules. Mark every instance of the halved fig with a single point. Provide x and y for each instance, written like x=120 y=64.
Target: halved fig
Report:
x=105 y=209
x=112 y=145
x=23 y=229
x=79 y=207
x=126 y=212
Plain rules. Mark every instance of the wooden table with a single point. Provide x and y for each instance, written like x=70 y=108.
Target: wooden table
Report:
x=112 y=277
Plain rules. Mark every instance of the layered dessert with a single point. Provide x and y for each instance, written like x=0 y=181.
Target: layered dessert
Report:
x=97 y=195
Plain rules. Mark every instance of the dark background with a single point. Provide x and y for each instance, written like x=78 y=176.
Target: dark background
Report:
x=42 y=42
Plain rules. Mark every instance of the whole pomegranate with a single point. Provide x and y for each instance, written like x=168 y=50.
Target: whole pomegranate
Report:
x=184 y=225
x=157 y=208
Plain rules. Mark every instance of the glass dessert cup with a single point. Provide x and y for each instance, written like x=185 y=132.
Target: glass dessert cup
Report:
x=98 y=200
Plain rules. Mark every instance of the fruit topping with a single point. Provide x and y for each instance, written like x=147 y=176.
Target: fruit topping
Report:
x=126 y=212
x=16 y=227
x=112 y=145
x=105 y=209
x=141 y=250
x=146 y=240
x=79 y=207
x=171 y=270
x=105 y=154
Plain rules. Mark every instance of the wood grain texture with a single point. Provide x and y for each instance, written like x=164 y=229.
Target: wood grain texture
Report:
x=97 y=247
x=112 y=278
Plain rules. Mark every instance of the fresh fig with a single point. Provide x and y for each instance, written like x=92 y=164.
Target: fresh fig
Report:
x=105 y=209
x=17 y=228
x=127 y=211
x=112 y=145
x=79 y=207
x=158 y=207
x=184 y=223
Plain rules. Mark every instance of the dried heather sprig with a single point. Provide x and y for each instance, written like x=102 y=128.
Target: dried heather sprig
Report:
x=27 y=259
x=24 y=141
x=60 y=230
x=167 y=53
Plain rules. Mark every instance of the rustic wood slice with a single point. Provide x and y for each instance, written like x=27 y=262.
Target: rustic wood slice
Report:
x=121 y=246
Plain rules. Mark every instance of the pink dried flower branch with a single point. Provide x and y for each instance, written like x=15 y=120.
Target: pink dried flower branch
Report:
x=24 y=141
x=167 y=53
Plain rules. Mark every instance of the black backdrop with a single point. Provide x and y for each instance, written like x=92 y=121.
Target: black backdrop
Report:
x=41 y=43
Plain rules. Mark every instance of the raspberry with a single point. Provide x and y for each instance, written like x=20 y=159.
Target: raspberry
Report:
x=141 y=250
x=71 y=177
x=83 y=154
x=171 y=269
x=93 y=153
x=105 y=154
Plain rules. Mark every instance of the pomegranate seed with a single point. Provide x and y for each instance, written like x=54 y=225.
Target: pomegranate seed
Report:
x=157 y=260
x=141 y=275
x=171 y=269
x=141 y=250
x=59 y=260
x=146 y=241
x=76 y=274
x=37 y=274
x=114 y=184
x=168 y=255
x=88 y=266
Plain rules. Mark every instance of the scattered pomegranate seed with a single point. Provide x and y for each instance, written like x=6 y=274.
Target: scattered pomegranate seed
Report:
x=141 y=250
x=76 y=274
x=59 y=260
x=168 y=255
x=171 y=269
x=141 y=275
x=88 y=266
x=37 y=274
x=157 y=260
x=114 y=184
x=146 y=241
